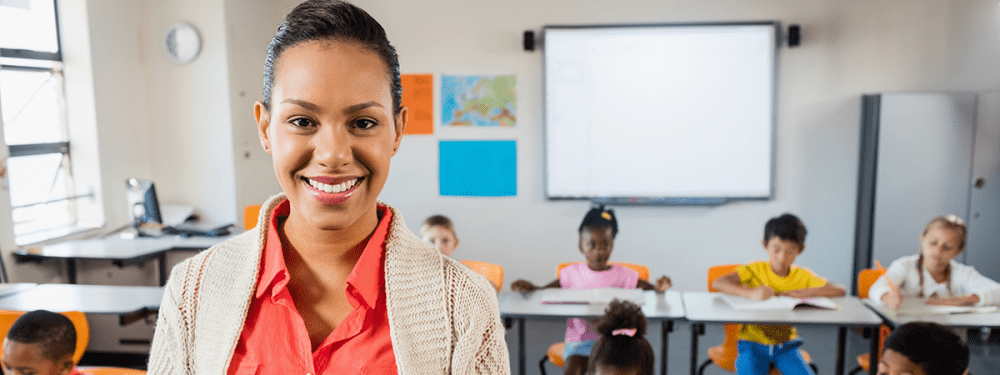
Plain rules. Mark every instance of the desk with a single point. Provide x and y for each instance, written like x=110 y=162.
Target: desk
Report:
x=702 y=307
x=121 y=252
x=14 y=288
x=131 y=303
x=665 y=307
x=991 y=320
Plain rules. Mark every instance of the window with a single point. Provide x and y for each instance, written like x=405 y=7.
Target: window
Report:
x=33 y=114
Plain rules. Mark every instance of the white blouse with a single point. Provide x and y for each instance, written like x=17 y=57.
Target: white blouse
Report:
x=965 y=280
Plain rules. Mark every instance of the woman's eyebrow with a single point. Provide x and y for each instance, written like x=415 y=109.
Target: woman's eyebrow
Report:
x=302 y=103
x=358 y=107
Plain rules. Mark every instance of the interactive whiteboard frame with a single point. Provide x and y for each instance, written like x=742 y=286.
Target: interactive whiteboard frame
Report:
x=772 y=27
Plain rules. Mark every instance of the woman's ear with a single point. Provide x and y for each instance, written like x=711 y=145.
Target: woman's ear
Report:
x=401 y=118
x=263 y=118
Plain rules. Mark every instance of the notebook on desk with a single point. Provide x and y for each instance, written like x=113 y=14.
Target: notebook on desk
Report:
x=599 y=296
x=919 y=307
x=778 y=303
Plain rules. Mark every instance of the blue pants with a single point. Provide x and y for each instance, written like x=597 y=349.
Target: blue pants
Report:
x=755 y=358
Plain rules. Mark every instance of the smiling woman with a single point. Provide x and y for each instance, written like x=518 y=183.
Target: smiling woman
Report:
x=330 y=280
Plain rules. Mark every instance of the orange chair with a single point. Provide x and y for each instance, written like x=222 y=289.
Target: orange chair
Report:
x=86 y=370
x=250 y=215
x=555 y=352
x=865 y=280
x=724 y=356
x=7 y=318
x=492 y=272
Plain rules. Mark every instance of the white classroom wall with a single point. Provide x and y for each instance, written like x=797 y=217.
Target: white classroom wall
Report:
x=190 y=127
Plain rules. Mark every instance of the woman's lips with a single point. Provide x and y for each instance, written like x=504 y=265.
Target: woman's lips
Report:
x=332 y=190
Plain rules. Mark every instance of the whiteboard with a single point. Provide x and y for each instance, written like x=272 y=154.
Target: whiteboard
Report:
x=660 y=113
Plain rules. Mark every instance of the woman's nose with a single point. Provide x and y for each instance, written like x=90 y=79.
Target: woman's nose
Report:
x=333 y=147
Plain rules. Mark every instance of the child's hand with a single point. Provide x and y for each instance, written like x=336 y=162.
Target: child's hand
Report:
x=893 y=298
x=522 y=286
x=968 y=300
x=796 y=293
x=662 y=284
x=762 y=292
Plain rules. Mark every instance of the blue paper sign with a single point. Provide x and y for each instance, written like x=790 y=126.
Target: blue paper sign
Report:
x=478 y=168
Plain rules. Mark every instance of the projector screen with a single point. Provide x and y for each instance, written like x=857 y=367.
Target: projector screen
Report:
x=660 y=114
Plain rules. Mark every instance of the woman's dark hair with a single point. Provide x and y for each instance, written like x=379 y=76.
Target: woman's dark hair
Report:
x=787 y=227
x=619 y=346
x=53 y=332
x=332 y=20
x=600 y=218
x=933 y=347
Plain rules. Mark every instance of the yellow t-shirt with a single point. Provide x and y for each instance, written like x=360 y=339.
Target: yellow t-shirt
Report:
x=759 y=273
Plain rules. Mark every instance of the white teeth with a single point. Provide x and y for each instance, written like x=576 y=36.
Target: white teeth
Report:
x=333 y=189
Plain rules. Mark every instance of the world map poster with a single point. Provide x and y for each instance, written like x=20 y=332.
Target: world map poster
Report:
x=478 y=100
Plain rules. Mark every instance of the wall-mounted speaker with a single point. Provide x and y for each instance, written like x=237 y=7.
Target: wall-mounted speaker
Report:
x=529 y=40
x=794 y=35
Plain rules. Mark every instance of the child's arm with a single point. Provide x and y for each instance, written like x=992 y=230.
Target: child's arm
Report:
x=887 y=288
x=730 y=284
x=662 y=284
x=828 y=290
x=982 y=290
x=527 y=286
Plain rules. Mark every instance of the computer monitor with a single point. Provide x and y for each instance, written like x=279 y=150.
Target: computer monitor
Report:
x=143 y=206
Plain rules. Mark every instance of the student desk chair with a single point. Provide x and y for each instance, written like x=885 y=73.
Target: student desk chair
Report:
x=865 y=280
x=724 y=356
x=250 y=214
x=492 y=272
x=555 y=352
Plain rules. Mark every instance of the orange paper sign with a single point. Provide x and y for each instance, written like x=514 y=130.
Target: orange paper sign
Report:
x=418 y=98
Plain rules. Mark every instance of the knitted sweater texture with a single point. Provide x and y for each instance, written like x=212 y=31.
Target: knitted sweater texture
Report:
x=443 y=318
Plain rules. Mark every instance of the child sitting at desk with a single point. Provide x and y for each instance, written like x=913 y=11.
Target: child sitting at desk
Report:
x=622 y=347
x=597 y=235
x=40 y=343
x=924 y=348
x=763 y=346
x=933 y=274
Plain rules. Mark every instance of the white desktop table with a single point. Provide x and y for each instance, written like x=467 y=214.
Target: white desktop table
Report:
x=703 y=307
x=991 y=320
x=665 y=307
x=120 y=251
x=130 y=303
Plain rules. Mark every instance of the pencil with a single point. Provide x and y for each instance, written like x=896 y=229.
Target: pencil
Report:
x=891 y=285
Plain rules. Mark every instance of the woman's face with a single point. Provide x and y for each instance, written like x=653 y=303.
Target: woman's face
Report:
x=331 y=132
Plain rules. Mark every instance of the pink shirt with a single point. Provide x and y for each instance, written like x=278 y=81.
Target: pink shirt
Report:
x=579 y=276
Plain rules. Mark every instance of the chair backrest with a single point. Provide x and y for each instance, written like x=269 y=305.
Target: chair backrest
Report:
x=866 y=278
x=7 y=318
x=250 y=215
x=641 y=269
x=110 y=371
x=716 y=272
x=492 y=272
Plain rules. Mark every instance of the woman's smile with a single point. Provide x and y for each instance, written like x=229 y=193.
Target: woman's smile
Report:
x=329 y=190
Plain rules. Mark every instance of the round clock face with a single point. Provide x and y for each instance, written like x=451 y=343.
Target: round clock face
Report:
x=181 y=43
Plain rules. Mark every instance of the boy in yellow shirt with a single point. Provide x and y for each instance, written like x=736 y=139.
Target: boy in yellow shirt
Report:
x=761 y=347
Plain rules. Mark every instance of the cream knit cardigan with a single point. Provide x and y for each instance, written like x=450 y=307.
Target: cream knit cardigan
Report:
x=443 y=318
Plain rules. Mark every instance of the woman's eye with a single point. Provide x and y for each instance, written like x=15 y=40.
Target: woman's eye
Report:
x=301 y=122
x=364 y=124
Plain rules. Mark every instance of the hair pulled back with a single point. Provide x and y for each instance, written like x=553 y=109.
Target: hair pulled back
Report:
x=332 y=21
x=600 y=218
x=622 y=350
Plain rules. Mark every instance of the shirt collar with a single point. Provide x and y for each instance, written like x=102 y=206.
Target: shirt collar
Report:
x=366 y=279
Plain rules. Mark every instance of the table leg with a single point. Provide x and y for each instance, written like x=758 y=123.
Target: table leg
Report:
x=520 y=346
x=162 y=261
x=71 y=270
x=697 y=329
x=873 y=337
x=841 y=342
x=667 y=326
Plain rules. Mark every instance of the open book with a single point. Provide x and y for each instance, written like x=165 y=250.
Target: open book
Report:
x=778 y=303
x=919 y=307
x=591 y=296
